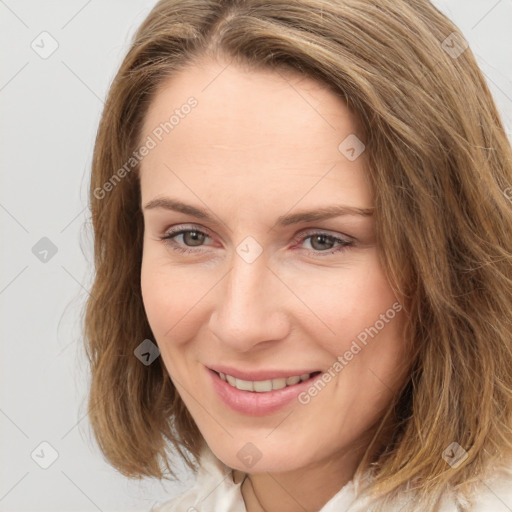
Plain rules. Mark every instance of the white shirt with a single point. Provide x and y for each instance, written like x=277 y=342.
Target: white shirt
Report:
x=215 y=491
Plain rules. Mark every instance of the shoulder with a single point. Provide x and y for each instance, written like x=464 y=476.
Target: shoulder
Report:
x=213 y=489
x=489 y=493
x=495 y=492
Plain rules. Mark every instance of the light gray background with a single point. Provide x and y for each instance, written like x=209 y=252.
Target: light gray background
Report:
x=49 y=111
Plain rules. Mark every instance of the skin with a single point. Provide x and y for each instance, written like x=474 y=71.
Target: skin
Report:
x=258 y=145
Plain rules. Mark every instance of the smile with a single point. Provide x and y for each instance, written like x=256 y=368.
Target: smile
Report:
x=259 y=393
x=264 y=386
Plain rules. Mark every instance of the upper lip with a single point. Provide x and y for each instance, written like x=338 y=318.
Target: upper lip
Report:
x=260 y=374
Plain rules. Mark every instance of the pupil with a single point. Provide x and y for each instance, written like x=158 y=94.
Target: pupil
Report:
x=322 y=239
x=194 y=236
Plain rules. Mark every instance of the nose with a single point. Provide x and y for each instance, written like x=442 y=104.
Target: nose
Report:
x=249 y=306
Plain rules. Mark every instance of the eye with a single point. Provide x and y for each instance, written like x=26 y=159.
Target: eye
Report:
x=322 y=243
x=190 y=238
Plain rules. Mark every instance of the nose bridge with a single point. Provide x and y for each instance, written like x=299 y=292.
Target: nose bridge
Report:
x=247 y=310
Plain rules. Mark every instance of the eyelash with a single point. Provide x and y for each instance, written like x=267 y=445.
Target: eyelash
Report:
x=343 y=244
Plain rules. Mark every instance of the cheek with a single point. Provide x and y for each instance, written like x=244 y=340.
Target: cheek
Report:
x=167 y=301
x=164 y=294
x=374 y=337
x=354 y=303
x=172 y=295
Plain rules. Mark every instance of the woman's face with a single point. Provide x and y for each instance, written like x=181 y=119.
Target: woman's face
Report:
x=252 y=269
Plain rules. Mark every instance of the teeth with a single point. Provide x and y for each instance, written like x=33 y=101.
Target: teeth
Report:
x=263 y=386
x=244 y=385
x=278 y=383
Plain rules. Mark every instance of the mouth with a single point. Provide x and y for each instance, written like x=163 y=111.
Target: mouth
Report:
x=263 y=395
x=265 y=386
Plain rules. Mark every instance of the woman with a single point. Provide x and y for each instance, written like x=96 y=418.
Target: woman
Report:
x=303 y=260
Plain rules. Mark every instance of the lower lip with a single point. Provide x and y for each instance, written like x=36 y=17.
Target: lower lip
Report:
x=252 y=403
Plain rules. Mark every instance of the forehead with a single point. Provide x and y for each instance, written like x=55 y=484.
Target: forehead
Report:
x=251 y=130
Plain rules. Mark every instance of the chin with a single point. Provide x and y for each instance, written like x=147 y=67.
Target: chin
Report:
x=255 y=458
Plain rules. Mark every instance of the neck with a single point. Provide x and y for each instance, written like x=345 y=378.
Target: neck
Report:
x=304 y=489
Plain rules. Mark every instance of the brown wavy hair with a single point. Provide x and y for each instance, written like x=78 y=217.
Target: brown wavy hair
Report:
x=439 y=165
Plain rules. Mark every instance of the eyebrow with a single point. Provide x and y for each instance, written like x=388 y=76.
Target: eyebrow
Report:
x=284 y=220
